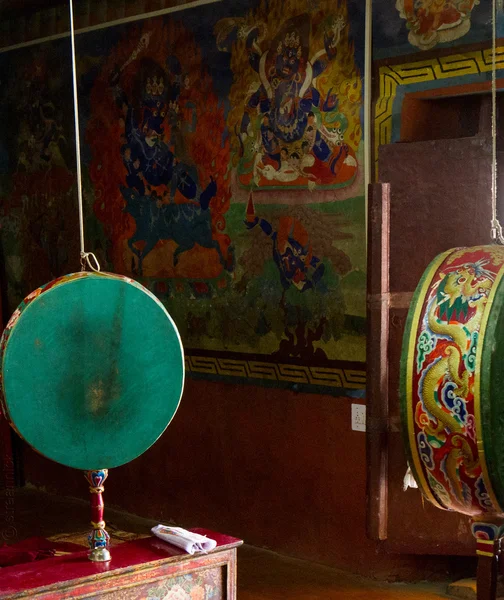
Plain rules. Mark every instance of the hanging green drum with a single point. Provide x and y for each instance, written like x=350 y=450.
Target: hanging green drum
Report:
x=91 y=374
x=452 y=382
x=91 y=370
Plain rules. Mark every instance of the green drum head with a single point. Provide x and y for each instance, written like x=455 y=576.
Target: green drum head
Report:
x=92 y=370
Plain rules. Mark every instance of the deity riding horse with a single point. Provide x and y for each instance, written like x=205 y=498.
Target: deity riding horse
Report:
x=186 y=224
x=148 y=158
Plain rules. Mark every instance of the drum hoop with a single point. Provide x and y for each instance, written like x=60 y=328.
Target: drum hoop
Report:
x=477 y=391
x=407 y=361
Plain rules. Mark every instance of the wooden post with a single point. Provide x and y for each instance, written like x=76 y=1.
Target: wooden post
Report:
x=488 y=548
x=7 y=473
x=377 y=360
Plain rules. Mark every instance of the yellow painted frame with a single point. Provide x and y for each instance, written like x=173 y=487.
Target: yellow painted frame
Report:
x=393 y=77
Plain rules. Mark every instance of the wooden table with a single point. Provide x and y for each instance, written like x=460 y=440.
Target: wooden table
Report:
x=145 y=569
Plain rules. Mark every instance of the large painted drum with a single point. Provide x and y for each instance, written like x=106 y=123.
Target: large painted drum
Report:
x=452 y=382
x=91 y=370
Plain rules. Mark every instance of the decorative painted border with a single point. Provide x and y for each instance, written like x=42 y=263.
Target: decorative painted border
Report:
x=346 y=380
x=394 y=81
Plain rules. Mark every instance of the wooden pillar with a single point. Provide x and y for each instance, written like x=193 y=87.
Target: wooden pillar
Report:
x=7 y=474
x=377 y=360
x=488 y=548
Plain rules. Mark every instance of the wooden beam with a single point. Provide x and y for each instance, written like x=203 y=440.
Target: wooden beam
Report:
x=377 y=360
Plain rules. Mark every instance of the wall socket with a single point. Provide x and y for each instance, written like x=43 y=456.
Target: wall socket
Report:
x=358 y=417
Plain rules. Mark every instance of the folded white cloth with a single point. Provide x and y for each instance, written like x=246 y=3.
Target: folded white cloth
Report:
x=409 y=481
x=187 y=540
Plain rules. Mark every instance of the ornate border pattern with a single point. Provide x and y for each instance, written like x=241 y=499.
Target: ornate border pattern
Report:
x=349 y=379
x=393 y=77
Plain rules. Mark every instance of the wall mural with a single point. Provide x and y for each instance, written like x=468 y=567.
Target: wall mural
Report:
x=38 y=232
x=223 y=170
x=461 y=67
x=296 y=97
x=432 y=22
x=407 y=26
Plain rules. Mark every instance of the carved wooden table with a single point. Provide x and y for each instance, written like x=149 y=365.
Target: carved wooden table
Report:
x=145 y=569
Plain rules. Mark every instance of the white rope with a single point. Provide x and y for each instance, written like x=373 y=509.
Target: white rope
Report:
x=496 y=228
x=84 y=256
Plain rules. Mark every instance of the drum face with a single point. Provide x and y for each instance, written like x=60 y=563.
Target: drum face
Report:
x=452 y=394
x=92 y=370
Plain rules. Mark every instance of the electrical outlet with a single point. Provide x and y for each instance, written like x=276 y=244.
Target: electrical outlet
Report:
x=358 y=417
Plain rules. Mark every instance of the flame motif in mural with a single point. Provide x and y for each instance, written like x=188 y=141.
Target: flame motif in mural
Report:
x=296 y=97
x=163 y=193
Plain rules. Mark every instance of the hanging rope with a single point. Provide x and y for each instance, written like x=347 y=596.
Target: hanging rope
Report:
x=86 y=258
x=496 y=228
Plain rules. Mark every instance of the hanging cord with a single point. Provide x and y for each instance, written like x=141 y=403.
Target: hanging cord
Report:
x=496 y=228
x=86 y=258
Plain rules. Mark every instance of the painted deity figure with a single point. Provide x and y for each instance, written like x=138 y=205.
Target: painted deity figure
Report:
x=286 y=100
x=41 y=141
x=292 y=250
x=292 y=253
x=151 y=158
x=158 y=164
x=433 y=22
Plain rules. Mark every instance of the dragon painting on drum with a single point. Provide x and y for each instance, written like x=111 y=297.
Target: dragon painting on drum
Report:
x=442 y=381
x=296 y=97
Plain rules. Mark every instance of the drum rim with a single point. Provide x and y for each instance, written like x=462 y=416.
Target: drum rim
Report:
x=484 y=384
x=406 y=368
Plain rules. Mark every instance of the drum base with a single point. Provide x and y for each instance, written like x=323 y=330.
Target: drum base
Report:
x=99 y=555
x=98 y=539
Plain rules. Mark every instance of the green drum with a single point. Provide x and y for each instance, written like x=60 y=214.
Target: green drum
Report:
x=91 y=370
x=452 y=382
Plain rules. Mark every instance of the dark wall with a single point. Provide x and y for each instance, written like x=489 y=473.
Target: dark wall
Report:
x=280 y=470
x=263 y=464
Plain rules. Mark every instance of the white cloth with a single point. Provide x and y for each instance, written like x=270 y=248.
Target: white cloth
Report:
x=187 y=540
x=409 y=481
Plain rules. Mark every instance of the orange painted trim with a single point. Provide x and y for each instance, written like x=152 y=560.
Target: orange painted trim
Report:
x=457 y=90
